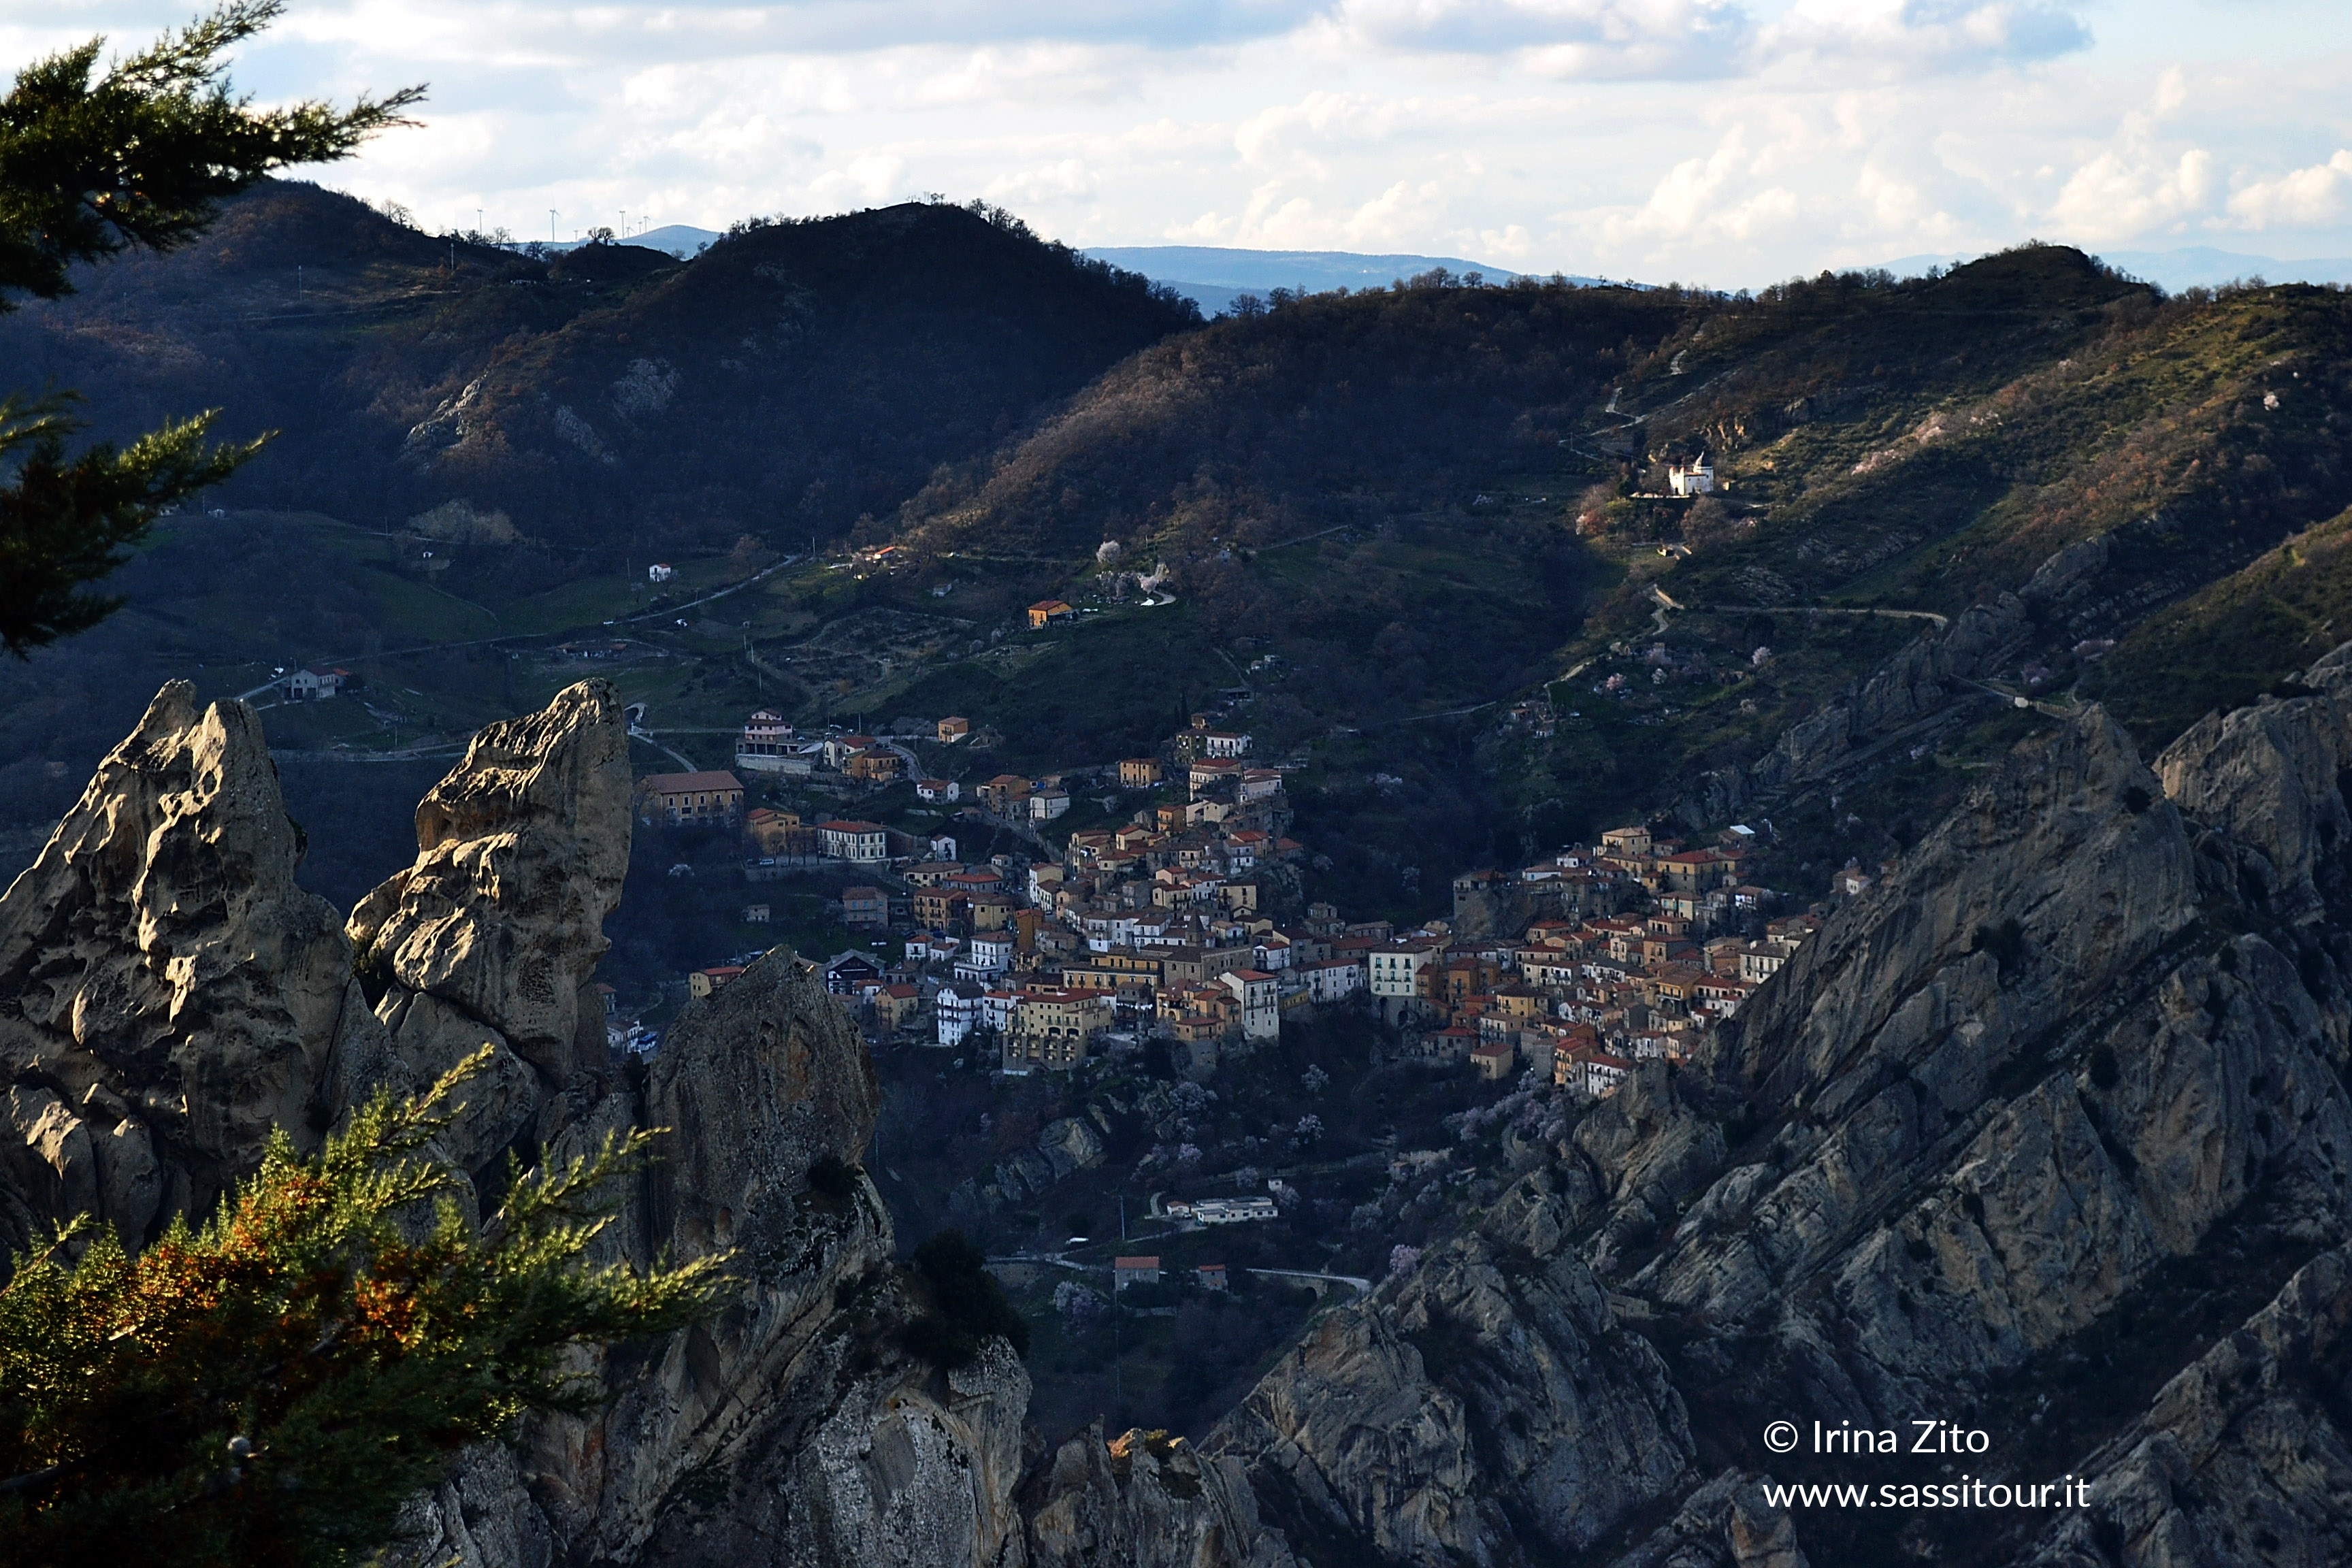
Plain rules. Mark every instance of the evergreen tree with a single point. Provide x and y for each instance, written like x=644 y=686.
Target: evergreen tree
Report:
x=93 y=164
x=263 y=1390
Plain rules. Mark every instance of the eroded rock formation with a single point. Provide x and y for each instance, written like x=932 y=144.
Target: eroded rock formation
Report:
x=1486 y=1405
x=1144 y=1500
x=168 y=997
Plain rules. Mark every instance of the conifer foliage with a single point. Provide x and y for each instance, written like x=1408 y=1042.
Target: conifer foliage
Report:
x=93 y=164
x=267 y=1388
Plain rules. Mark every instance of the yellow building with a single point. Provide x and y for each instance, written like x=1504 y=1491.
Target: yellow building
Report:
x=681 y=799
x=1053 y=1028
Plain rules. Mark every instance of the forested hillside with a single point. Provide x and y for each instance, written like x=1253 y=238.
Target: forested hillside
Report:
x=1365 y=526
x=1424 y=501
x=1334 y=408
x=790 y=379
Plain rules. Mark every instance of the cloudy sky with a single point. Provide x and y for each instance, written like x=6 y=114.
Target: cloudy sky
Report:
x=1709 y=140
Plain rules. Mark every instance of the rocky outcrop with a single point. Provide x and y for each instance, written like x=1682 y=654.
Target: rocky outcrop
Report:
x=1483 y=1409
x=1647 y=1152
x=2268 y=777
x=520 y=856
x=793 y=1428
x=1925 y=680
x=2091 y=1031
x=169 y=999
x=168 y=996
x=1144 y=1500
x=2245 y=1456
x=1065 y=1146
x=1726 y=1523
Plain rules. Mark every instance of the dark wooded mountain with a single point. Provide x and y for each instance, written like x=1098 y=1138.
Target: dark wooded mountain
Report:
x=1334 y=409
x=2030 y=426
x=793 y=377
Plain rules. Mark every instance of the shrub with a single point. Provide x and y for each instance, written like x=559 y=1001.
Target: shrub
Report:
x=269 y=1388
x=967 y=1304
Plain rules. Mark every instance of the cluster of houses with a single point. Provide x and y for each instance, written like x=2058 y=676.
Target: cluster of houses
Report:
x=770 y=744
x=1580 y=966
x=314 y=682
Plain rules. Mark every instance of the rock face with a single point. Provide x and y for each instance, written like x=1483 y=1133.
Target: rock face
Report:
x=492 y=935
x=1144 y=1500
x=1485 y=1407
x=2243 y=1457
x=167 y=994
x=168 y=999
x=2084 y=1049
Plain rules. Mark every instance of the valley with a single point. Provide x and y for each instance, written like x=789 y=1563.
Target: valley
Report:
x=1859 y=763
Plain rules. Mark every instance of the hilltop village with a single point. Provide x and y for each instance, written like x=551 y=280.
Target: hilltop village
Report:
x=1170 y=927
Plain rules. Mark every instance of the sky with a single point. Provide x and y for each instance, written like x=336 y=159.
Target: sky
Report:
x=1710 y=142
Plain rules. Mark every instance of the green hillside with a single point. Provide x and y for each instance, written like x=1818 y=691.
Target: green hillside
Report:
x=2229 y=642
x=1473 y=480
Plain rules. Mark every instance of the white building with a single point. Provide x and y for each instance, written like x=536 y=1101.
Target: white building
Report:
x=1699 y=480
x=946 y=790
x=1048 y=804
x=958 y=1010
x=1604 y=1074
x=1259 y=994
x=1225 y=743
x=315 y=683
x=1232 y=1211
x=985 y=956
x=766 y=743
x=1395 y=970
x=660 y=571
x=867 y=843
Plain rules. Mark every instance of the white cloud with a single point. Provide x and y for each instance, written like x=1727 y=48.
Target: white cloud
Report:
x=2126 y=192
x=870 y=180
x=1564 y=37
x=1728 y=141
x=1916 y=35
x=2315 y=196
x=2145 y=182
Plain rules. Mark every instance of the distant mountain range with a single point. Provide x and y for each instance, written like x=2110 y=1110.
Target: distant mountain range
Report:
x=2192 y=267
x=679 y=239
x=1213 y=276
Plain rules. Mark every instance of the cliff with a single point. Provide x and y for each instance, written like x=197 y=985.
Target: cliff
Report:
x=168 y=996
x=2048 y=1134
x=167 y=993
